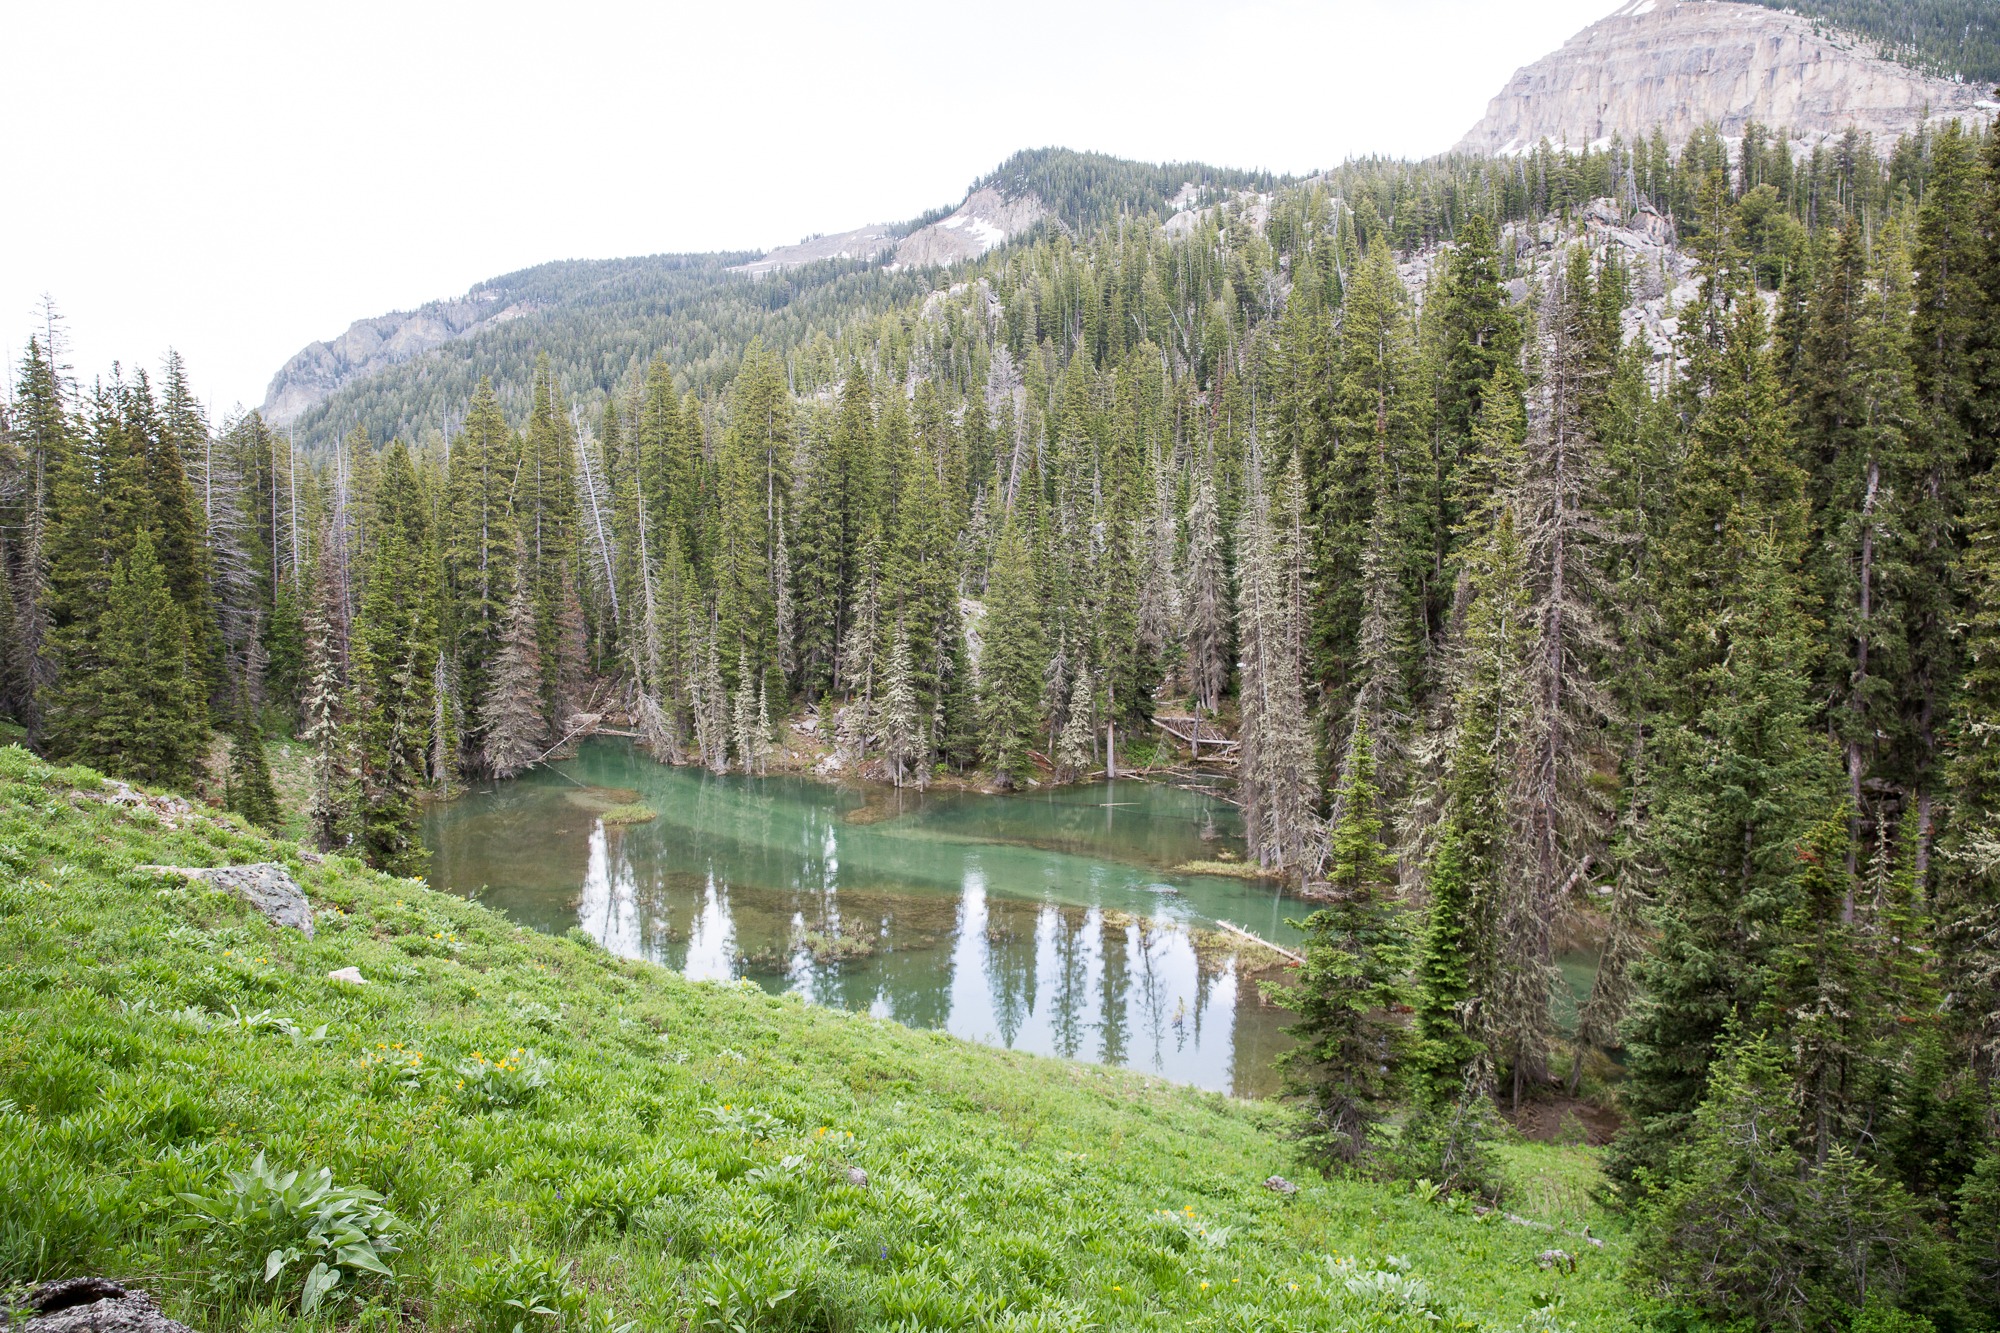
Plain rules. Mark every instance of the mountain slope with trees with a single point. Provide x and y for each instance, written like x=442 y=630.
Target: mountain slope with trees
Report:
x=1525 y=635
x=599 y=321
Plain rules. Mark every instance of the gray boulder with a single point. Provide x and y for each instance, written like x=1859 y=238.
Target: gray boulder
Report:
x=266 y=886
x=95 y=1305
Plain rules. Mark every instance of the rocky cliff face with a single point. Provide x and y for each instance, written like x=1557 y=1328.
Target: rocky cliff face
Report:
x=375 y=344
x=861 y=243
x=1681 y=64
x=986 y=219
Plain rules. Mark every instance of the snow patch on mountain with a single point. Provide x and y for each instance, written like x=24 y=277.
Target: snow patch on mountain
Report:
x=869 y=243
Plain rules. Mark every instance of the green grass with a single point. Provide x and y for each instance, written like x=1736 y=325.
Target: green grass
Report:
x=574 y=1133
x=638 y=812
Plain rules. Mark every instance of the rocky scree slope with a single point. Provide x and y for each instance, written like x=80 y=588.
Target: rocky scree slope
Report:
x=1682 y=64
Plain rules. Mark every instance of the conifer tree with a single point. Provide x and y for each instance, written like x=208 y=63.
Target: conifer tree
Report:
x=1161 y=604
x=512 y=711
x=897 y=718
x=39 y=422
x=1555 y=815
x=149 y=722
x=1348 y=1064
x=1486 y=715
x=855 y=670
x=1967 y=895
x=1377 y=459
x=1012 y=659
x=1277 y=773
x=479 y=553
x=1073 y=747
x=250 y=792
x=714 y=701
x=1739 y=784
x=1207 y=599
x=329 y=803
x=743 y=715
x=755 y=469
x=394 y=666
x=1858 y=415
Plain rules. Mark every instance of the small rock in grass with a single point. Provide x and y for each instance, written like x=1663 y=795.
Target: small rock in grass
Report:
x=351 y=975
x=1558 y=1259
x=1279 y=1185
x=857 y=1177
x=266 y=886
x=95 y=1305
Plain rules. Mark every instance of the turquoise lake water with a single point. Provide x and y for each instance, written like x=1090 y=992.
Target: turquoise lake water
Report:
x=1047 y=921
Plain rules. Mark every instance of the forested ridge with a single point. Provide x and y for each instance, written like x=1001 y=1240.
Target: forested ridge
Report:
x=601 y=321
x=1518 y=629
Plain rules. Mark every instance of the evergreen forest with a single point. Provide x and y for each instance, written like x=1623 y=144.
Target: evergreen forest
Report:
x=1518 y=629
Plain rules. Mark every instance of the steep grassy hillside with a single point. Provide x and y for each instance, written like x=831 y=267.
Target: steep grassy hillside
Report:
x=556 y=1130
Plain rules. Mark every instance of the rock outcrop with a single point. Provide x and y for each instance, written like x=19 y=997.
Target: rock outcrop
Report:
x=985 y=220
x=1681 y=64
x=871 y=242
x=376 y=344
x=1658 y=272
x=94 y=1305
x=266 y=886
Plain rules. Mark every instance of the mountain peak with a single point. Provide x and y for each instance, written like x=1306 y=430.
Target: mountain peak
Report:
x=1682 y=64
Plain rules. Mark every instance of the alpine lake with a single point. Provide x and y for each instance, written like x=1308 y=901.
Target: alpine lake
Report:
x=1053 y=921
x=1050 y=921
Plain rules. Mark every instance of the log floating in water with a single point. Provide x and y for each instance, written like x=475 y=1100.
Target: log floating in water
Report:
x=1277 y=949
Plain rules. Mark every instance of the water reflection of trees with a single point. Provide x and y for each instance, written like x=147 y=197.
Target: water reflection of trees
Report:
x=736 y=867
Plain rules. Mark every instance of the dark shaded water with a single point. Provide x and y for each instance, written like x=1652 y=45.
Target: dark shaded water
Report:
x=1051 y=922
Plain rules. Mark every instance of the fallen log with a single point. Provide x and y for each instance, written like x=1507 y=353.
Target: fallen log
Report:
x=1277 y=949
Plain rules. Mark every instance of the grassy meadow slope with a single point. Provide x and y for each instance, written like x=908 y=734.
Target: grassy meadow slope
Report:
x=578 y=1134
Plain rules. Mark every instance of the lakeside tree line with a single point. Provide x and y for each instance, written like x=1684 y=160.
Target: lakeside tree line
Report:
x=1525 y=637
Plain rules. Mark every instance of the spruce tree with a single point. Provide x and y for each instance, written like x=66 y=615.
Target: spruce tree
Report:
x=1739 y=784
x=512 y=712
x=250 y=792
x=1074 y=745
x=1347 y=1066
x=39 y=423
x=329 y=803
x=1206 y=599
x=1277 y=772
x=899 y=722
x=479 y=553
x=1012 y=659
x=150 y=721
x=1967 y=893
x=394 y=655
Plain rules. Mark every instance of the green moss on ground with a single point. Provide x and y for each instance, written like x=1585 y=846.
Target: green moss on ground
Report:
x=557 y=1126
x=637 y=812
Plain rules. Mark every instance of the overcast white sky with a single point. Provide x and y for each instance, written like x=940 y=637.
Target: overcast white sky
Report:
x=237 y=180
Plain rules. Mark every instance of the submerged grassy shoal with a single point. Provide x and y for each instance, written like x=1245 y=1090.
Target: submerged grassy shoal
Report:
x=563 y=1139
